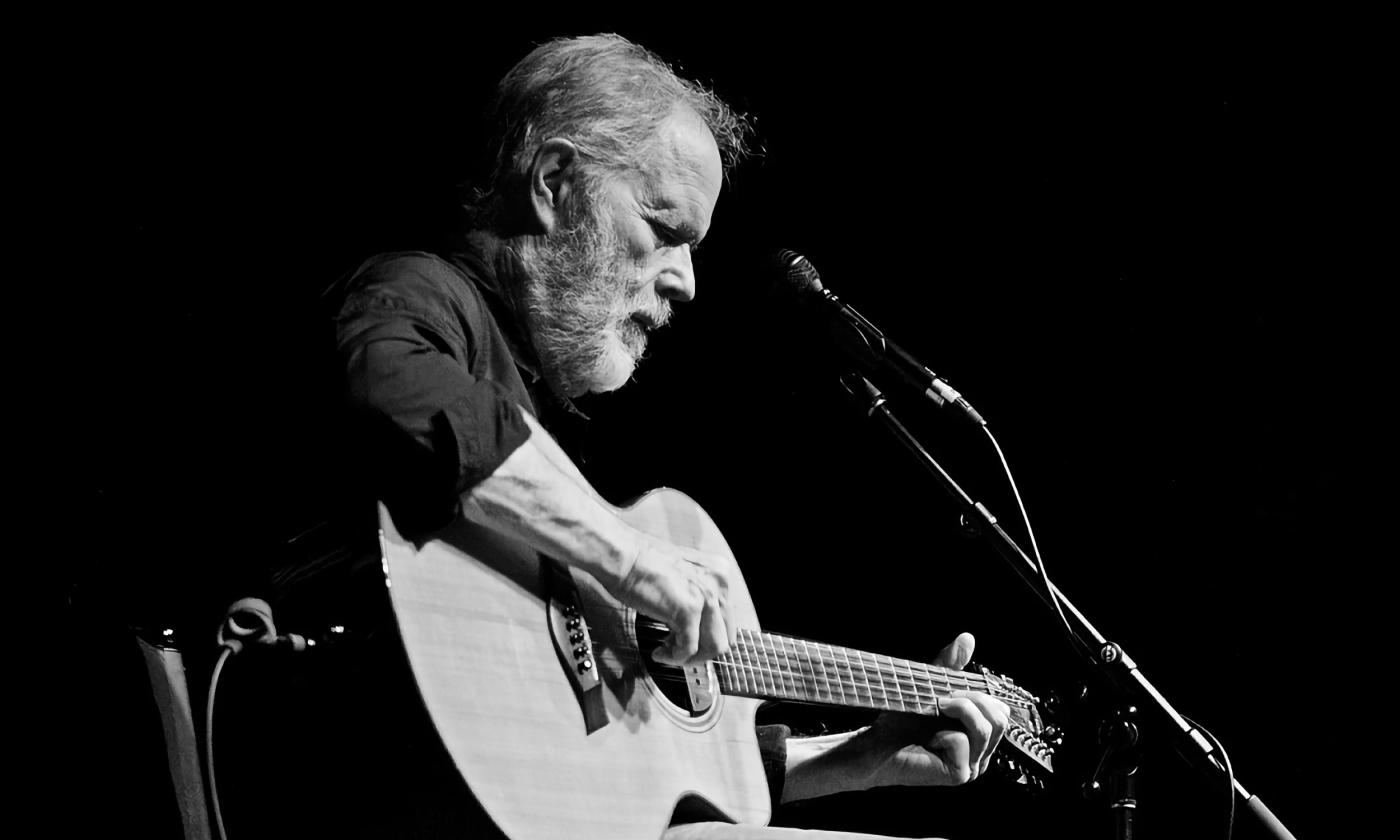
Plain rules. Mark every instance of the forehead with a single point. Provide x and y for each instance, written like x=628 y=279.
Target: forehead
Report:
x=685 y=183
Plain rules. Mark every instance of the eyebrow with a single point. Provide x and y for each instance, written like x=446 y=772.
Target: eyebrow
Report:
x=669 y=212
x=687 y=232
x=681 y=228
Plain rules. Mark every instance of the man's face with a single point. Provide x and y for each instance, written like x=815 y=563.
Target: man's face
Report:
x=594 y=290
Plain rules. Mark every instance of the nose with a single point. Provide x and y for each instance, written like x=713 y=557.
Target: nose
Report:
x=677 y=278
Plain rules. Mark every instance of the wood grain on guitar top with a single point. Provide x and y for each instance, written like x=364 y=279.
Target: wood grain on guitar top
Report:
x=472 y=612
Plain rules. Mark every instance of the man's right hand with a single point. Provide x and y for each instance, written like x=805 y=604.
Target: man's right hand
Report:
x=539 y=496
x=688 y=591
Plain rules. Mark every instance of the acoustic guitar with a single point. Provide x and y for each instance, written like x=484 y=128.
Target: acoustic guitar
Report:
x=542 y=690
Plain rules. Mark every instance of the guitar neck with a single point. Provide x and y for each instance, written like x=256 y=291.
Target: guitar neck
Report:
x=775 y=667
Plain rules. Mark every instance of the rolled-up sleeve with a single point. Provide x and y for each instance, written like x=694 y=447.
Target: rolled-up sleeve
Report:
x=772 y=746
x=435 y=399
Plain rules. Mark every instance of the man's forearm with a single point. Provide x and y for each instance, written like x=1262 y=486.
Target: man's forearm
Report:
x=540 y=497
x=826 y=764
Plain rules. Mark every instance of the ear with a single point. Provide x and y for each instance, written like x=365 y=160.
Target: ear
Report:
x=553 y=177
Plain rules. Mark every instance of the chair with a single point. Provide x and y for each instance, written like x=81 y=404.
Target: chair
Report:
x=165 y=667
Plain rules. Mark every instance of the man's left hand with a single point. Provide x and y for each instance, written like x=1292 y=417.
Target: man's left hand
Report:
x=920 y=750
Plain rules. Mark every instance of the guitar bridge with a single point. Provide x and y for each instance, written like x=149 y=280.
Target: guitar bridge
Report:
x=574 y=645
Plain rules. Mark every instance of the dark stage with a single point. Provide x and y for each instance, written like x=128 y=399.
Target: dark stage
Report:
x=1137 y=255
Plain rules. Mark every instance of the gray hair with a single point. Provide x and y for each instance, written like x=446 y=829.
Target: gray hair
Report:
x=607 y=96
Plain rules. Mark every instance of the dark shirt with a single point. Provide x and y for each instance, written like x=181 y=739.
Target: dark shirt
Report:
x=434 y=382
x=437 y=370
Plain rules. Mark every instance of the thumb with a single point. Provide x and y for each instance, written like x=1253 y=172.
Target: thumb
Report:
x=958 y=652
x=666 y=654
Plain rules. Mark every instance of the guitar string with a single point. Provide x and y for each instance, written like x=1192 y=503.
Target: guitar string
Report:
x=741 y=679
x=758 y=655
x=759 y=667
x=759 y=645
x=770 y=665
x=923 y=678
x=846 y=675
x=784 y=679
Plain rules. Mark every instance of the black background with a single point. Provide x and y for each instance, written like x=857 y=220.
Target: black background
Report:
x=1138 y=254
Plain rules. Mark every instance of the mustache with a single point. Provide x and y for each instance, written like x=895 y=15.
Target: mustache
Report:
x=655 y=313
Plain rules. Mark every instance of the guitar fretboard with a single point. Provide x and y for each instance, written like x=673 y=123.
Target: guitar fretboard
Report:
x=771 y=666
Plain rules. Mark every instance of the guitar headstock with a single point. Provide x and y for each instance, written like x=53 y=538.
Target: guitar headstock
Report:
x=1028 y=732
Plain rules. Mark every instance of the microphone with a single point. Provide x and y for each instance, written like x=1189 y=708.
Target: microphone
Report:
x=863 y=342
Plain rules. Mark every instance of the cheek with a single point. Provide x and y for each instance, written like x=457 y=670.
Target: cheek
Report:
x=638 y=242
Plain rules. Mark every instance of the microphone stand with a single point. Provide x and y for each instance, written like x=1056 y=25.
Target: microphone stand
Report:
x=1118 y=733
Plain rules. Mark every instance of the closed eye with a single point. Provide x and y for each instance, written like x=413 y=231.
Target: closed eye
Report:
x=673 y=237
x=667 y=236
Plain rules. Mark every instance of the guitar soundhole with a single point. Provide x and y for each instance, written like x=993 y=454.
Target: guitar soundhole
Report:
x=669 y=679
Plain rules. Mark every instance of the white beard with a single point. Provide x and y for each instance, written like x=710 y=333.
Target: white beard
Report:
x=579 y=295
x=616 y=363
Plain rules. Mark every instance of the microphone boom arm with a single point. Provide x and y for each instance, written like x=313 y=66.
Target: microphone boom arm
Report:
x=1107 y=658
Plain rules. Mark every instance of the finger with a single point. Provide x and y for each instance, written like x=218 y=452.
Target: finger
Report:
x=958 y=652
x=951 y=749
x=715 y=587
x=999 y=715
x=715 y=635
x=975 y=724
x=731 y=627
x=719 y=579
x=683 y=642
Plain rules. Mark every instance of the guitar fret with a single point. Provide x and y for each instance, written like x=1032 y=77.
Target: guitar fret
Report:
x=790 y=685
x=914 y=686
x=819 y=676
x=869 y=698
x=793 y=675
x=840 y=678
x=775 y=655
x=820 y=667
x=844 y=675
x=766 y=664
x=760 y=660
x=760 y=670
x=755 y=676
x=898 y=692
x=724 y=672
x=857 y=676
x=930 y=684
x=801 y=670
x=803 y=666
x=865 y=675
x=741 y=667
x=746 y=661
x=933 y=674
x=884 y=695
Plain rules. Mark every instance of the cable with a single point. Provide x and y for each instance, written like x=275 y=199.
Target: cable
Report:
x=1229 y=773
x=228 y=651
x=248 y=621
x=1035 y=549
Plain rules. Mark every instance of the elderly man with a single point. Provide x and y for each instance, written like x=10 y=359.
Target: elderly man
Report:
x=607 y=171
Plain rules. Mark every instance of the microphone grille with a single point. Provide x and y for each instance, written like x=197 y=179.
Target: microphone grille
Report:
x=798 y=271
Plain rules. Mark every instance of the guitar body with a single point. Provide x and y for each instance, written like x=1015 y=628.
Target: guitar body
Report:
x=546 y=756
